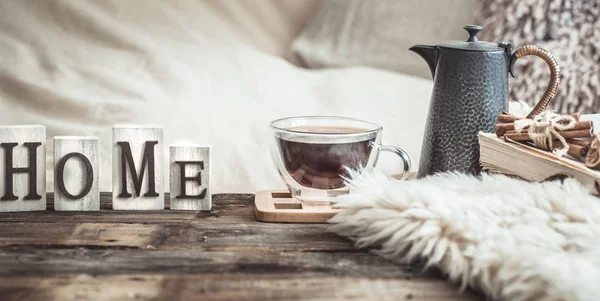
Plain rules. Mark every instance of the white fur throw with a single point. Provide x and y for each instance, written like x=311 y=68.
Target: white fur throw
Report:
x=511 y=239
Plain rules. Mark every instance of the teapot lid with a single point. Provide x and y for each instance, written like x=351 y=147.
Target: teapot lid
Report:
x=472 y=44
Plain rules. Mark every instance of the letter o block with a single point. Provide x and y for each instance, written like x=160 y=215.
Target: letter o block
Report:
x=76 y=174
x=138 y=164
x=189 y=174
x=22 y=168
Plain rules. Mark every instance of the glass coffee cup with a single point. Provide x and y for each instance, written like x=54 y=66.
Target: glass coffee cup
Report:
x=314 y=154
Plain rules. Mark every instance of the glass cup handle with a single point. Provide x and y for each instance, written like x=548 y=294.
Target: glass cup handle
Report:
x=402 y=154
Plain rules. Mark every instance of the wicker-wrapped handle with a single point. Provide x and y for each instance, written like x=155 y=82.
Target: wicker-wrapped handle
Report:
x=554 y=74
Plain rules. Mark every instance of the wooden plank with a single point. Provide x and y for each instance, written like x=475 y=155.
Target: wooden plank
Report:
x=32 y=262
x=103 y=216
x=202 y=236
x=76 y=173
x=254 y=236
x=189 y=170
x=231 y=225
x=85 y=234
x=226 y=207
x=225 y=287
x=23 y=179
x=138 y=152
x=224 y=254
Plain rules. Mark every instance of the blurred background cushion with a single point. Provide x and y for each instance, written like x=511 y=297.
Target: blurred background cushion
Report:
x=209 y=71
x=379 y=33
x=569 y=29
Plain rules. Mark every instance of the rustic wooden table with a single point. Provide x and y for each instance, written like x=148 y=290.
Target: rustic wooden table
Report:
x=224 y=254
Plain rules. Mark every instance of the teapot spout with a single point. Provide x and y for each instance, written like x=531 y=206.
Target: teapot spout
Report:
x=429 y=54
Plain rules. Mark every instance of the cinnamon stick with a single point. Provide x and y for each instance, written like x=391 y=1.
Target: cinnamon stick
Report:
x=579 y=142
x=524 y=136
x=576 y=133
x=502 y=128
x=509 y=118
x=577 y=151
x=576 y=115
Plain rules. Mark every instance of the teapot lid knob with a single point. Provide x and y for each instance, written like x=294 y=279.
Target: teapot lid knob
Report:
x=473 y=31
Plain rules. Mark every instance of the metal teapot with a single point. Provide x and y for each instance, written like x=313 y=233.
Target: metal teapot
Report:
x=470 y=90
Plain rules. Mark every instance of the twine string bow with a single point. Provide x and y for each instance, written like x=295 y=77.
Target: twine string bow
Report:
x=543 y=130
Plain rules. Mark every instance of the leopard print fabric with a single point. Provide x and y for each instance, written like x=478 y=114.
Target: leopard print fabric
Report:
x=569 y=29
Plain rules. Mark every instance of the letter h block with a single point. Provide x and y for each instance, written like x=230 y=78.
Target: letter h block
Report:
x=138 y=164
x=76 y=171
x=189 y=167
x=22 y=168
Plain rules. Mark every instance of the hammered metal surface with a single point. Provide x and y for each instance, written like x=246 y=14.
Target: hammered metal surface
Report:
x=470 y=90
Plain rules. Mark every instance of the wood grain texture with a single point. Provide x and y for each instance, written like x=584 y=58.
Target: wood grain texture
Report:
x=190 y=153
x=222 y=254
x=137 y=136
x=20 y=134
x=94 y=235
x=28 y=262
x=281 y=207
x=133 y=286
x=226 y=207
x=75 y=173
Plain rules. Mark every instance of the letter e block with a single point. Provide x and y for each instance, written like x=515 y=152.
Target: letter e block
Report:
x=22 y=168
x=138 y=165
x=189 y=166
x=76 y=174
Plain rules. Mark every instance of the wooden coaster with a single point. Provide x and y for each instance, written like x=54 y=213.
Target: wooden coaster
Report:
x=280 y=207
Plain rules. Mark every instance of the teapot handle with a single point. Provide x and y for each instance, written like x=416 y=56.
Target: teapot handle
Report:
x=554 y=74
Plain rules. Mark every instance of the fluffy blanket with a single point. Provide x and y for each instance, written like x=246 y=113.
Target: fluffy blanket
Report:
x=511 y=239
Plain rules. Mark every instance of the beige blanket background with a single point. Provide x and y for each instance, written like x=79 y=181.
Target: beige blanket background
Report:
x=209 y=71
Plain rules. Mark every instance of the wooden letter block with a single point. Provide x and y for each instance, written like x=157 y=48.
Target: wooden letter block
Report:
x=189 y=166
x=22 y=168
x=76 y=170
x=138 y=164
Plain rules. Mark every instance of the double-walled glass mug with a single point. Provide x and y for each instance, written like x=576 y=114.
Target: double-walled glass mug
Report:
x=314 y=153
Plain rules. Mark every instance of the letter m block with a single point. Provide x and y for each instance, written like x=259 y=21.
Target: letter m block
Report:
x=22 y=168
x=138 y=164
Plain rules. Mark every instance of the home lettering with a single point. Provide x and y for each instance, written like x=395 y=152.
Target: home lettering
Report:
x=89 y=175
x=10 y=170
x=138 y=167
x=147 y=160
x=197 y=178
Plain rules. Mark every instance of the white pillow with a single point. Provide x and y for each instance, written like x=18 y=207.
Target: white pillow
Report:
x=379 y=33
